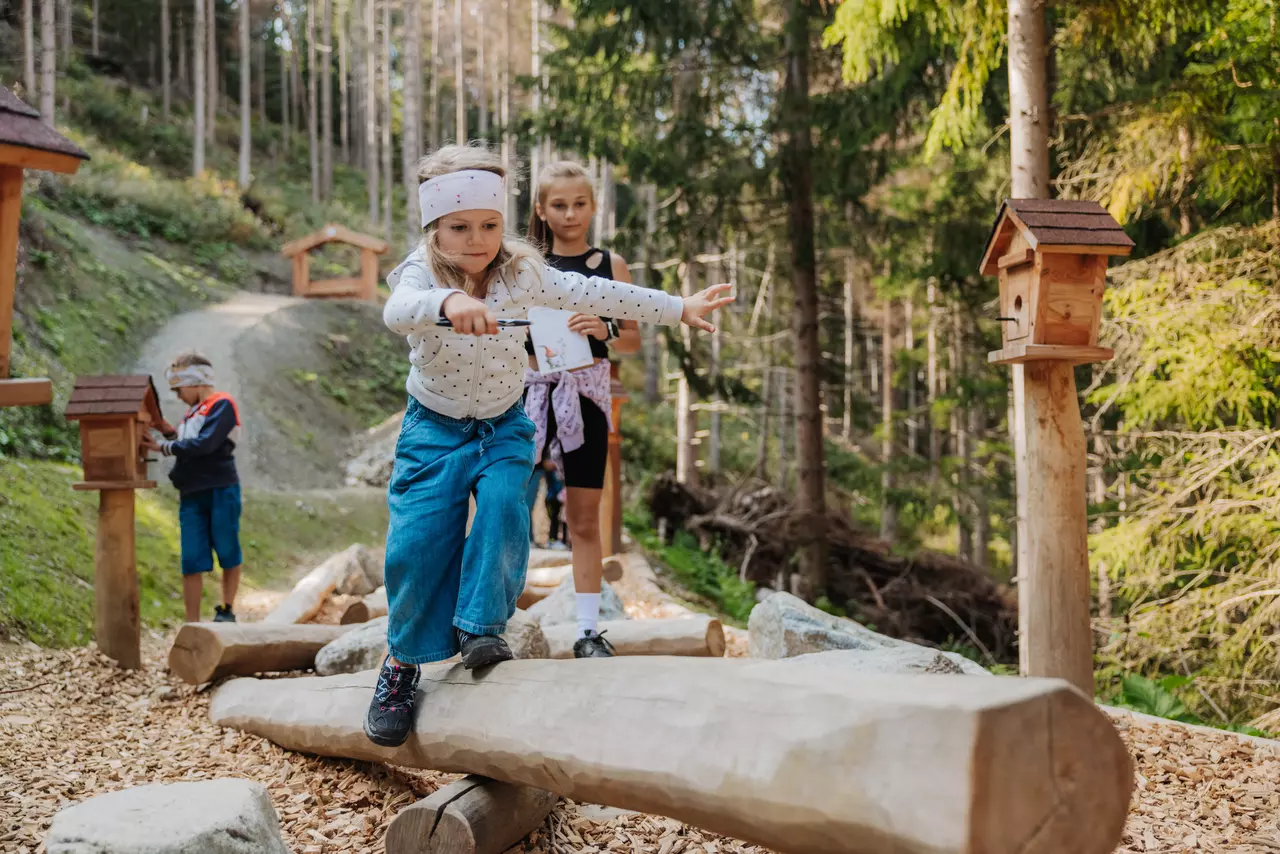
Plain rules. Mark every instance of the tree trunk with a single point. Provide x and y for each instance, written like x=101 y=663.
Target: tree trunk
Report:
x=459 y=81
x=888 y=451
x=645 y=278
x=976 y=467
x=371 y=111
x=960 y=437
x=785 y=427
x=504 y=101
x=713 y=276
x=435 y=74
x=246 y=90
x=406 y=150
x=94 y=46
x=483 y=102
x=797 y=181
x=313 y=118
x=28 y=50
x=48 y=61
x=64 y=21
x=1185 y=177
x=386 y=119
x=285 y=104
x=762 y=455
x=850 y=334
x=296 y=87
x=166 y=82
x=326 y=100
x=1028 y=99
x=198 y=86
x=932 y=389
x=344 y=88
x=909 y=346
x=184 y=72
x=359 y=112
x=412 y=137
x=211 y=72
x=535 y=155
x=686 y=415
x=260 y=54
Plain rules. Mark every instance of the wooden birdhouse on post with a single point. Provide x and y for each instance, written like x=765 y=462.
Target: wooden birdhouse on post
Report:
x=1051 y=257
x=25 y=143
x=363 y=287
x=115 y=414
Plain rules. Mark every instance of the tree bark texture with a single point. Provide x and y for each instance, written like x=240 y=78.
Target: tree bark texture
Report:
x=370 y=118
x=344 y=87
x=326 y=98
x=686 y=415
x=645 y=278
x=459 y=78
x=932 y=388
x=29 y=50
x=435 y=74
x=313 y=91
x=412 y=137
x=888 y=449
x=246 y=90
x=48 y=61
x=385 y=119
x=166 y=82
x=198 y=87
x=211 y=72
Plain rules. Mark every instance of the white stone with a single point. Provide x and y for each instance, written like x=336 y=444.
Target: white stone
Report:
x=359 y=649
x=227 y=816
x=784 y=626
x=524 y=636
x=561 y=607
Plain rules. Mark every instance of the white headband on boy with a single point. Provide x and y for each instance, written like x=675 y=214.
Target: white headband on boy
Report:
x=191 y=375
x=468 y=190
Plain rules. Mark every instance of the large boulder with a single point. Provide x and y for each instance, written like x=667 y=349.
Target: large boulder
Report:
x=560 y=607
x=365 y=647
x=227 y=816
x=784 y=626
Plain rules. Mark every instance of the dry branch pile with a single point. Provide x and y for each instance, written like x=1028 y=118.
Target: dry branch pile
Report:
x=927 y=598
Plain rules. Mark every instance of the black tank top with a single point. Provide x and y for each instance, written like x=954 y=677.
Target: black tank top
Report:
x=602 y=267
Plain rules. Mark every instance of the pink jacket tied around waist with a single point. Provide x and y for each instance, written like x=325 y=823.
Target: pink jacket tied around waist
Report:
x=561 y=390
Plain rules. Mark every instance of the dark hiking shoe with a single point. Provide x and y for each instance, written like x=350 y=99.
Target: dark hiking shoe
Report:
x=482 y=650
x=593 y=646
x=223 y=614
x=390 y=717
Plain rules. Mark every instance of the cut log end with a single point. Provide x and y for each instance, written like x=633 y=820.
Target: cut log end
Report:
x=474 y=815
x=203 y=652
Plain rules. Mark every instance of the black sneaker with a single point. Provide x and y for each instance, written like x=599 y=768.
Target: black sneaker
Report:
x=390 y=717
x=482 y=650
x=223 y=614
x=593 y=646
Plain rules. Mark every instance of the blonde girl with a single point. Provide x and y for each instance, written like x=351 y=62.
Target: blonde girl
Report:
x=465 y=432
x=571 y=409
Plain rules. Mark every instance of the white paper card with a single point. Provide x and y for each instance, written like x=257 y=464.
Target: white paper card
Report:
x=555 y=345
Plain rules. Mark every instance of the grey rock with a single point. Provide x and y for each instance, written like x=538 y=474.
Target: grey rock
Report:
x=363 y=572
x=560 y=607
x=227 y=816
x=784 y=626
x=359 y=649
x=524 y=636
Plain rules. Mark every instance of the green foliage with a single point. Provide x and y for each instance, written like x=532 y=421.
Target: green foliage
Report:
x=365 y=372
x=1155 y=698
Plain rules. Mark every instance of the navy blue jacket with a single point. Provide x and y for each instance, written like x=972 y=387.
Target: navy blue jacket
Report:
x=204 y=450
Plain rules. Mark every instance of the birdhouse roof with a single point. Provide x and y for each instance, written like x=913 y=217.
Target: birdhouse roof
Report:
x=334 y=233
x=28 y=142
x=1063 y=224
x=120 y=395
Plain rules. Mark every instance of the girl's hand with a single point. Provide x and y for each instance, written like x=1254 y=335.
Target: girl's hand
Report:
x=148 y=441
x=703 y=303
x=469 y=316
x=589 y=324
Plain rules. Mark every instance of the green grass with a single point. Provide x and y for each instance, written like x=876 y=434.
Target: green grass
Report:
x=47 y=540
x=366 y=369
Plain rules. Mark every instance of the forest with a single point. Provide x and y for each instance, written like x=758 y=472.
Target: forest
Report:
x=841 y=164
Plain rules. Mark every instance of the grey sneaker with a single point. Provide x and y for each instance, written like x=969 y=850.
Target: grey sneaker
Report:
x=593 y=646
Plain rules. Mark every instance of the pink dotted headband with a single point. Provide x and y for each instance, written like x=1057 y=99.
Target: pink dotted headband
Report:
x=468 y=190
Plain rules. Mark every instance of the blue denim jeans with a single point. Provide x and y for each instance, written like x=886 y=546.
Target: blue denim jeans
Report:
x=437 y=577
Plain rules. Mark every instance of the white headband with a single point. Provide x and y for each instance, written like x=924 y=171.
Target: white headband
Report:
x=468 y=190
x=191 y=375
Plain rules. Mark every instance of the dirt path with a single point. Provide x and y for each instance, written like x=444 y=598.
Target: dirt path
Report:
x=214 y=331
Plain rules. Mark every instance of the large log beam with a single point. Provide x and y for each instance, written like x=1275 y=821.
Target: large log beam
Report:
x=474 y=815
x=698 y=636
x=308 y=595
x=369 y=608
x=203 y=652
x=798 y=759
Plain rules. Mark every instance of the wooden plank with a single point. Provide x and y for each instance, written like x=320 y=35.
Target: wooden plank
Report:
x=1016 y=259
x=115 y=580
x=334 y=288
x=1022 y=353
x=104 y=485
x=301 y=266
x=368 y=274
x=1055 y=206
x=871 y=763
x=20 y=157
x=1083 y=249
x=204 y=652
x=998 y=243
x=10 y=214
x=1067 y=313
x=474 y=815
x=26 y=392
x=139 y=381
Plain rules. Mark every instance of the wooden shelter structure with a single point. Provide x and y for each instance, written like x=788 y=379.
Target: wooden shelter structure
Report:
x=115 y=414
x=25 y=143
x=1051 y=257
x=365 y=286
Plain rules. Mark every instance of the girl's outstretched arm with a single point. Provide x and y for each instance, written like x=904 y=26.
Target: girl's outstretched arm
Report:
x=415 y=305
x=591 y=295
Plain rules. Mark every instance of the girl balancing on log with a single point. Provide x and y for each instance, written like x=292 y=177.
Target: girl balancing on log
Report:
x=464 y=431
x=572 y=409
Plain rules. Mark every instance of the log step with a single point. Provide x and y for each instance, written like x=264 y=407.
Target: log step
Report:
x=474 y=815
x=698 y=636
x=203 y=652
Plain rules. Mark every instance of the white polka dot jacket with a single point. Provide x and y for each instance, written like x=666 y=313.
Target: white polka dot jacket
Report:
x=467 y=376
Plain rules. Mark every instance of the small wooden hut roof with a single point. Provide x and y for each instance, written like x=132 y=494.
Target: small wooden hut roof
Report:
x=116 y=395
x=28 y=142
x=1065 y=224
x=331 y=233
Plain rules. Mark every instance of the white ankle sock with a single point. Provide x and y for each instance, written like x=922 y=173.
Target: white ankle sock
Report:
x=588 y=612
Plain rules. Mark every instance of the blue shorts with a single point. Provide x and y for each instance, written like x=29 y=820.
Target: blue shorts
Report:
x=210 y=522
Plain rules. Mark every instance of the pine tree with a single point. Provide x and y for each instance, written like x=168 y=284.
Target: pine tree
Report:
x=198 y=87
x=246 y=96
x=48 y=61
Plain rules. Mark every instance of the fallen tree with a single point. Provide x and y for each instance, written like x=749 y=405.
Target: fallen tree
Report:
x=474 y=815
x=698 y=636
x=370 y=607
x=926 y=598
x=351 y=570
x=203 y=652
x=798 y=759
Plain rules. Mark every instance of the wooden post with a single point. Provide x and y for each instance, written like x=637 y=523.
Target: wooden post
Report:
x=368 y=274
x=301 y=274
x=115 y=580
x=10 y=211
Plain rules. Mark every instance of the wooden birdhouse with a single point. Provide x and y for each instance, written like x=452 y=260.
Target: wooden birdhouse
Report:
x=1051 y=257
x=25 y=143
x=363 y=287
x=115 y=414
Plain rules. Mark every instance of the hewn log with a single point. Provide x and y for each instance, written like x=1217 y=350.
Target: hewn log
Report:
x=698 y=636
x=474 y=815
x=542 y=581
x=370 y=607
x=795 y=758
x=115 y=580
x=203 y=652
x=308 y=595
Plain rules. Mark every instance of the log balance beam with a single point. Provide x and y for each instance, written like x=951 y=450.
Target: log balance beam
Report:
x=798 y=759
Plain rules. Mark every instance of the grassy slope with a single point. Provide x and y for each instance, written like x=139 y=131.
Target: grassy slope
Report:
x=46 y=553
